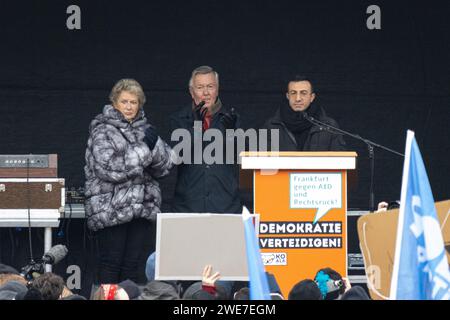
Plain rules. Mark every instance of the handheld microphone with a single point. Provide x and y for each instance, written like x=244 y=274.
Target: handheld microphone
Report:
x=310 y=119
x=198 y=110
x=201 y=104
x=55 y=254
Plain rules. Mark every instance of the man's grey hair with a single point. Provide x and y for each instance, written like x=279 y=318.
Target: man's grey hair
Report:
x=202 y=70
x=128 y=85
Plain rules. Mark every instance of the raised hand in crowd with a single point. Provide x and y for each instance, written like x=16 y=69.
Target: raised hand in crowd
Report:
x=209 y=279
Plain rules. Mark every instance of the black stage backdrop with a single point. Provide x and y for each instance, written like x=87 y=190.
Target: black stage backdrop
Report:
x=377 y=83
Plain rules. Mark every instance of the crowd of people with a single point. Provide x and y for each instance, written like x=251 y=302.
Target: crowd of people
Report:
x=326 y=285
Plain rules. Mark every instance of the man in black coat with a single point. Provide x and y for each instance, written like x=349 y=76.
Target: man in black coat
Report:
x=295 y=132
x=203 y=186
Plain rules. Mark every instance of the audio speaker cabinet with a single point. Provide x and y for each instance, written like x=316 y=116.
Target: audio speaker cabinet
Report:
x=35 y=199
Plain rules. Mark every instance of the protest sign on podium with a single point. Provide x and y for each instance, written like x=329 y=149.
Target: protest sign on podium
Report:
x=302 y=201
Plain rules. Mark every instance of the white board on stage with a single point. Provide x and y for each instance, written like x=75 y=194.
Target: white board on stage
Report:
x=186 y=242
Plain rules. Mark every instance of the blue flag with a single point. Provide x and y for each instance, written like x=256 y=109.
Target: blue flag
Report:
x=259 y=287
x=421 y=270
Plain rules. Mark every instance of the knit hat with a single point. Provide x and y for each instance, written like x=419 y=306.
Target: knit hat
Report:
x=130 y=288
x=203 y=295
x=195 y=292
x=7 y=295
x=192 y=291
x=7 y=269
x=159 y=290
x=12 y=288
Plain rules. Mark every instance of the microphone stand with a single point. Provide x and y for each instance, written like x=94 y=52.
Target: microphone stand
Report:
x=32 y=262
x=370 y=147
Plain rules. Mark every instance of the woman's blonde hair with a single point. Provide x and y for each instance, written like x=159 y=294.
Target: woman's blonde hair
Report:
x=129 y=85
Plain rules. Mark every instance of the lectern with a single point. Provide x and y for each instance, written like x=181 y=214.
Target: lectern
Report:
x=302 y=201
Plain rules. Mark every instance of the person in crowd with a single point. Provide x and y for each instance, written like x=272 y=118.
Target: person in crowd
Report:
x=125 y=157
x=198 y=291
x=296 y=133
x=384 y=206
x=209 y=288
x=209 y=279
x=6 y=269
x=335 y=287
x=161 y=290
x=150 y=267
x=126 y=290
x=50 y=285
x=66 y=293
x=205 y=187
x=6 y=277
x=355 y=293
x=331 y=284
x=30 y=294
x=306 y=289
x=12 y=290
x=8 y=273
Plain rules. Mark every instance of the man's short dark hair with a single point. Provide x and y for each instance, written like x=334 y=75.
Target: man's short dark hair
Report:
x=300 y=77
x=305 y=290
x=50 y=285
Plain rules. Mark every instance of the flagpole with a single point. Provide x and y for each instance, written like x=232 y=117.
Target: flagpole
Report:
x=401 y=215
x=259 y=288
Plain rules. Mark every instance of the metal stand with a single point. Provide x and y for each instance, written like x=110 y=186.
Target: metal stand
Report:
x=370 y=145
x=48 y=245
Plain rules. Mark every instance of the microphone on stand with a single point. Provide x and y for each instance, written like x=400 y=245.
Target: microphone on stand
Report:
x=55 y=254
x=307 y=117
x=52 y=256
x=370 y=146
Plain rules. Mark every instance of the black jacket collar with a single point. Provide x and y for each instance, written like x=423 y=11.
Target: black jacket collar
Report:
x=276 y=120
